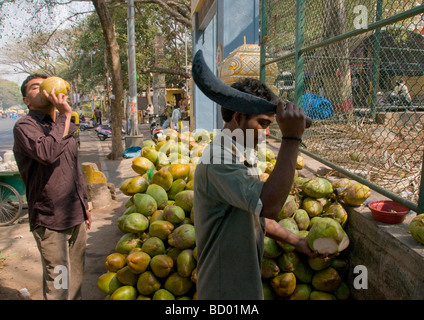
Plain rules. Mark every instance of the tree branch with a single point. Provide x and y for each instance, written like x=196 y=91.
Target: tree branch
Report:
x=173 y=8
x=166 y=71
x=67 y=19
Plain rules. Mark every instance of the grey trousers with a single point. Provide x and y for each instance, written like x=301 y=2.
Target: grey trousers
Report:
x=62 y=256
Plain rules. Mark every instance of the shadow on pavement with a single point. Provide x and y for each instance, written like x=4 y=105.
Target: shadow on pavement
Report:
x=101 y=242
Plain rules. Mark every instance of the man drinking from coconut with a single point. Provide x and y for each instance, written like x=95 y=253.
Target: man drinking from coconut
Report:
x=46 y=154
x=233 y=208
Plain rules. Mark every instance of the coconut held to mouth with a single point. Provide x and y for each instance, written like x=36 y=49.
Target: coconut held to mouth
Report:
x=60 y=85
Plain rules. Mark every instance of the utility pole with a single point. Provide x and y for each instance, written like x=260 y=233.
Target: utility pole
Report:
x=132 y=75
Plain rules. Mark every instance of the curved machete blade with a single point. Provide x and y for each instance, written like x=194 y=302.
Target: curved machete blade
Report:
x=223 y=94
x=226 y=96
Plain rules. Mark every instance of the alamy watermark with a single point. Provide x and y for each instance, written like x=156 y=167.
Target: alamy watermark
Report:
x=361 y=20
x=61 y=280
x=361 y=280
x=244 y=144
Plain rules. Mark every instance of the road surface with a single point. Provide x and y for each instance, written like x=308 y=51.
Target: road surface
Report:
x=6 y=135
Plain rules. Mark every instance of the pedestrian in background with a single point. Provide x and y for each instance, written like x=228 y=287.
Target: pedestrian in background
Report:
x=176 y=118
x=47 y=158
x=401 y=93
x=98 y=115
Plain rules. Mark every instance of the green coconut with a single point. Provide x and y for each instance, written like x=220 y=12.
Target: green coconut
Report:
x=303 y=272
x=298 y=182
x=159 y=194
x=416 y=227
x=145 y=204
x=327 y=236
x=291 y=225
x=124 y=293
x=178 y=285
x=320 y=295
x=183 y=237
x=288 y=261
x=355 y=194
x=302 y=219
x=173 y=214
x=269 y=268
x=312 y=206
x=163 y=294
x=313 y=220
x=342 y=292
x=337 y=212
x=186 y=263
x=284 y=284
x=271 y=249
x=135 y=222
x=318 y=263
x=341 y=265
x=317 y=188
x=289 y=207
x=301 y=292
x=327 y=280
x=341 y=183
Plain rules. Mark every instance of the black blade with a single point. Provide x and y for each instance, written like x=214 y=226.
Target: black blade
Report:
x=226 y=96
x=223 y=94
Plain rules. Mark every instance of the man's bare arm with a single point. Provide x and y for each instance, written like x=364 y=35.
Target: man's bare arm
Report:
x=291 y=121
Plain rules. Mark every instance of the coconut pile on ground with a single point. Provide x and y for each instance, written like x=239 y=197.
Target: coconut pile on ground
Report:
x=315 y=209
x=156 y=255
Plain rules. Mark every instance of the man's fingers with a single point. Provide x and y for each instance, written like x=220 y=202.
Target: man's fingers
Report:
x=46 y=94
x=289 y=108
x=280 y=106
x=51 y=96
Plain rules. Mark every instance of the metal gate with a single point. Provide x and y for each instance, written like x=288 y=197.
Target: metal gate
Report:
x=357 y=69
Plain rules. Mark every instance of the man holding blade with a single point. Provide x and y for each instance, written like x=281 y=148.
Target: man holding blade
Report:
x=233 y=209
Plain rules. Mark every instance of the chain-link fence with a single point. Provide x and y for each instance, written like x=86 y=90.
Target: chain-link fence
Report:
x=357 y=69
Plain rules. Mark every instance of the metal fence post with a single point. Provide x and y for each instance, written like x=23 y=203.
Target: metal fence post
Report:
x=376 y=60
x=262 y=41
x=299 y=60
x=420 y=208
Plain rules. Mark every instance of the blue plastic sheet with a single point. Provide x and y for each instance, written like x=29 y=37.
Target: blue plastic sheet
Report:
x=132 y=152
x=317 y=107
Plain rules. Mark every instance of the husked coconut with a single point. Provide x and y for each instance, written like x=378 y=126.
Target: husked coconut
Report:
x=327 y=236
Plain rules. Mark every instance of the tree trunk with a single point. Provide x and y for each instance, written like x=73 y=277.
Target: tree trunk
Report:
x=148 y=96
x=112 y=48
x=335 y=69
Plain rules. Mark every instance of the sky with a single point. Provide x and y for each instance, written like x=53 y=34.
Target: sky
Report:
x=21 y=14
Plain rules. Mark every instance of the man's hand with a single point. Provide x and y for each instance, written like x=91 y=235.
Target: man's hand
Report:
x=290 y=119
x=60 y=101
x=88 y=220
x=277 y=232
x=303 y=247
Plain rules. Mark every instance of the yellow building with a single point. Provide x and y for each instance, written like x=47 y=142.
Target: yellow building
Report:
x=174 y=95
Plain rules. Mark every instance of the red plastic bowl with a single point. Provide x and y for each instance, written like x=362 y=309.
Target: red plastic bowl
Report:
x=388 y=211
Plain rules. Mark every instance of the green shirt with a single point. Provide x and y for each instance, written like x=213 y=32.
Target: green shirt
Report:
x=229 y=231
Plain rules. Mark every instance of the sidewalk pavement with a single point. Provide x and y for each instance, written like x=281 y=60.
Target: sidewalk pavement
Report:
x=20 y=264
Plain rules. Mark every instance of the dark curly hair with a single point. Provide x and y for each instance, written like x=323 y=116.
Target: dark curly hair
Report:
x=28 y=79
x=254 y=87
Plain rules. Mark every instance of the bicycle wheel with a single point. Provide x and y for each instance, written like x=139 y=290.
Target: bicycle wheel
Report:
x=10 y=204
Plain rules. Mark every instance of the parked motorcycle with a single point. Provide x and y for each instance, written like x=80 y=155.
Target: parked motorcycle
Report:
x=104 y=131
x=156 y=130
x=86 y=125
